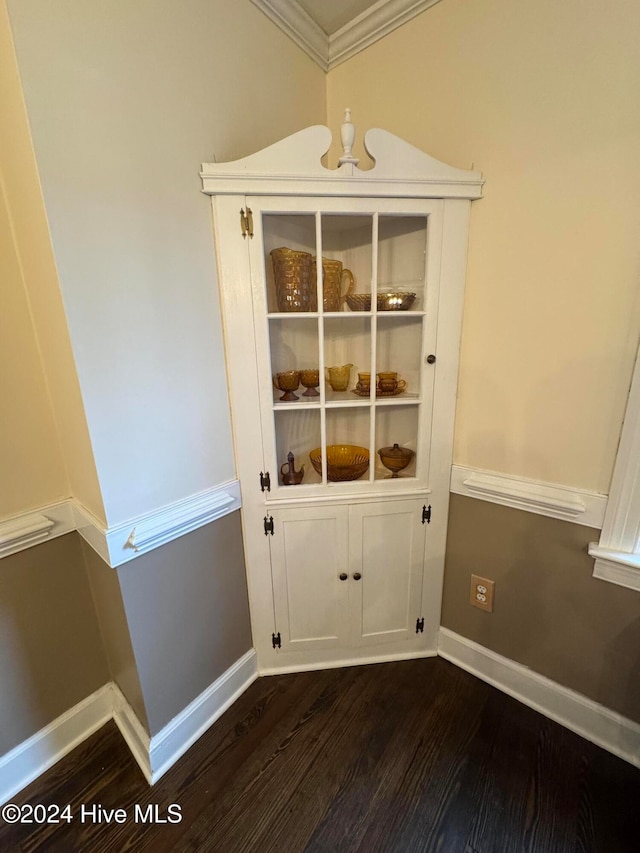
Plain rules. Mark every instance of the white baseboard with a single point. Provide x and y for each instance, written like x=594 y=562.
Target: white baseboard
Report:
x=28 y=760
x=587 y=718
x=338 y=664
x=134 y=733
x=177 y=736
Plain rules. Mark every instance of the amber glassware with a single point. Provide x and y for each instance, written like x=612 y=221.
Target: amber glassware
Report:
x=310 y=379
x=395 y=458
x=295 y=287
x=287 y=381
x=344 y=461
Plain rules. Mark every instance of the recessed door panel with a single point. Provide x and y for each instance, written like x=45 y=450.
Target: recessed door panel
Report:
x=309 y=553
x=386 y=550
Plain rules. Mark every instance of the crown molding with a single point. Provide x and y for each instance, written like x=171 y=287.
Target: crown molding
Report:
x=373 y=24
x=364 y=30
x=292 y=19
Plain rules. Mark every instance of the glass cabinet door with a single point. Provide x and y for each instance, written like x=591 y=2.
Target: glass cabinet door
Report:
x=346 y=385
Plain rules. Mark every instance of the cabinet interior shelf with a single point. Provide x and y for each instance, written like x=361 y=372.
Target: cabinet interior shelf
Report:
x=404 y=400
x=341 y=315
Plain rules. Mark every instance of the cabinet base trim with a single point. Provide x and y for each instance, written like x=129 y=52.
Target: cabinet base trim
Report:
x=337 y=664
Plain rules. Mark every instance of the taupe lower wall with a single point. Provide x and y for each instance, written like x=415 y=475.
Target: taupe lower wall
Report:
x=51 y=653
x=112 y=620
x=550 y=614
x=188 y=615
x=163 y=627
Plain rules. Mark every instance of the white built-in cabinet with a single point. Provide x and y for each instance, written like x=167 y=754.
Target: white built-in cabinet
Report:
x=342 y=571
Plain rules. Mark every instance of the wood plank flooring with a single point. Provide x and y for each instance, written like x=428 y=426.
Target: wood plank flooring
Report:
x=408 y=756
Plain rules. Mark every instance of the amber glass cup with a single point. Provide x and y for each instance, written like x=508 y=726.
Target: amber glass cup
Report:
x=287 y=381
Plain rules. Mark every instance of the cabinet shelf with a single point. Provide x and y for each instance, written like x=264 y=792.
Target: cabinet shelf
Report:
x=348 y=404
x=341 y=315
x=293 y=315
x=406 y=399
x=296 y=405
x=401 y=314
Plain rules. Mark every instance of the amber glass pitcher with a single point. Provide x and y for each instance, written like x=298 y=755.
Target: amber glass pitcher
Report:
x=337 y=283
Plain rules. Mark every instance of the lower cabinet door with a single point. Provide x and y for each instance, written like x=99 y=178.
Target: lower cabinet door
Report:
x=386 y=548
x=309 y=552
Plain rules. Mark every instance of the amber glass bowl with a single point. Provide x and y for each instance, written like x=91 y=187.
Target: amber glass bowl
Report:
x=359 y=301
x=389 y=300
x=395 y=300
x=310 y=379
x=344 y=461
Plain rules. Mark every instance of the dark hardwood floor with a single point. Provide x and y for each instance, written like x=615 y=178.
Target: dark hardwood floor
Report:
x=411 y=756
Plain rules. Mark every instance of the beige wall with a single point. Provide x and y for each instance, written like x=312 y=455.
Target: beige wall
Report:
x=51 y=653
x=45 y=448
x=125 y=101
x=543 y=98
x=550 y=614
x=32 y=471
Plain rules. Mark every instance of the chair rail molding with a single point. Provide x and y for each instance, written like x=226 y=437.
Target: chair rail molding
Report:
x=564 y=502
x=35 y=526
x=124 y=542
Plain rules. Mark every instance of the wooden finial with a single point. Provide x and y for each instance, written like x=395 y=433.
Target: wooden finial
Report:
x=347 y=136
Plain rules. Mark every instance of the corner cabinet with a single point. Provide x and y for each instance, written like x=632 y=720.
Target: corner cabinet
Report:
x=346 y=367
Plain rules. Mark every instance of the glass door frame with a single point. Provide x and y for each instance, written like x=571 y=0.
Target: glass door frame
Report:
x=433 y=210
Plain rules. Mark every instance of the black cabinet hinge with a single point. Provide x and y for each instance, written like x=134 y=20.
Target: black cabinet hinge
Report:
x=265 y=482
x=246 y=222
x=276 y=641
x=268 y=525
x=420 y=625
x=426 y=514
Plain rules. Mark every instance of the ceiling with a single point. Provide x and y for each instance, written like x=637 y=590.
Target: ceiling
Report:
x=332 y=31
x=331 y=15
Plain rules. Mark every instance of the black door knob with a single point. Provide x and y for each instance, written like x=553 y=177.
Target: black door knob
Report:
x=431 y=359
x=356 y=576
x=343 y=576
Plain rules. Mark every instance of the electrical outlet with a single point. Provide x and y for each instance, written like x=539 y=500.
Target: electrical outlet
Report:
x=482 y=593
